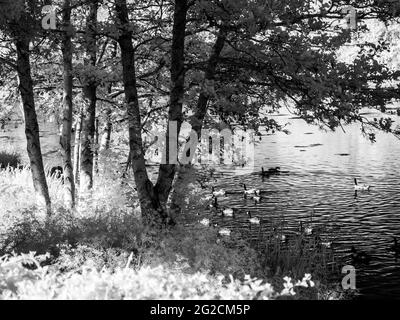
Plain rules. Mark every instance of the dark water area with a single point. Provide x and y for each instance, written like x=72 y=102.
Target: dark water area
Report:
x=317 y=187
x=14 y=135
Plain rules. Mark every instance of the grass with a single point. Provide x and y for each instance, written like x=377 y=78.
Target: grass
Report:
x=124 y=283
x=9 y=157
x=103 y=251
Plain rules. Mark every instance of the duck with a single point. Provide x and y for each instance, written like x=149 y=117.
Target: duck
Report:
x=214 y=204
x=250 y=191
x=307 y=230
x=224 y=232
x=359 y=256
x=228 y=212
x=205 y=222
x=219 y=193
x=395 y=247
x=361 y=187
x=276 y=170
x=253 y=220
x=326 y=244
x=280 y=236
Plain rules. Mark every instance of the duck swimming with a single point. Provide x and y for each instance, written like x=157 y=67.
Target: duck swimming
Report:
x=228 y=212
x=361 y=187
x=250 y=191
x=326 y=244
x=280 y=237
x=307 y=230
x=276 y=170
x=205 y=222
x=219 y=193
x=214 y=204
x=270 y=171
x=224 y=232
x=253 y=220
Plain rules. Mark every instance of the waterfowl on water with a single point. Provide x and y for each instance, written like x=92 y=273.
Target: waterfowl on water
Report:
x=395 y=247
x=228 y=212
x=219 y=193
x=250 y=191
x=326 y=244
x=253 y=220
x=214 y=204
x=257 y=199
x=271 y=171
x=280 y=237
x=359 y=256
x=361 y=187
x=205 y=222
x=224 y=232
x=307 y=230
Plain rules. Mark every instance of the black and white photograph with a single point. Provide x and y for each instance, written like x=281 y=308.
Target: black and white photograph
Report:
x=199 y=150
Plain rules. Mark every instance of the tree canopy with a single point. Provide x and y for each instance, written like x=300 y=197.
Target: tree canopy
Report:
x=138 y=64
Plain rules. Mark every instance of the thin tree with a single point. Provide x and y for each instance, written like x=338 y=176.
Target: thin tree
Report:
x=89 y=108
x=149 y=202
x=65 y=140
x=167 y=171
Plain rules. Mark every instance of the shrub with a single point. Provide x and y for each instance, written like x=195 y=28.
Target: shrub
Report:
x=9 y=158
x=102 y=251
x=23 y=277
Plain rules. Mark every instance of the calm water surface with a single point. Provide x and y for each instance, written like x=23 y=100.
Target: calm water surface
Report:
x=322 y=166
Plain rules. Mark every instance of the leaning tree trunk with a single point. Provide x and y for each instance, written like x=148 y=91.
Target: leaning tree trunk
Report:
x=65 y=140
x=200 y=112
x=89 y=109
x=167 y=171
x=149 y=202
x=31 y=124
x=96 y=148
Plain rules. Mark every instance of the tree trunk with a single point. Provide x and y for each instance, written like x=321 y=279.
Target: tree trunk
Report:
x=77 y=147
x=89 y=109
x=106 y=132
x=167 y=171
x=149 y=202
x=96 y=148
x=107 y=129
x=65 y=140
x=31 y=124
x=197 y=119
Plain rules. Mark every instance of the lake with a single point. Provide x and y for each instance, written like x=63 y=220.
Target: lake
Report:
x=321 y=167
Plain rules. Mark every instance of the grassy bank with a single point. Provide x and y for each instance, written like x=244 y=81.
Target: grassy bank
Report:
x=9 y=157
x=102 y=251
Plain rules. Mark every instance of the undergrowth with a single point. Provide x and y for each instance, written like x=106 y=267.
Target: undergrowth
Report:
x=103 y=251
